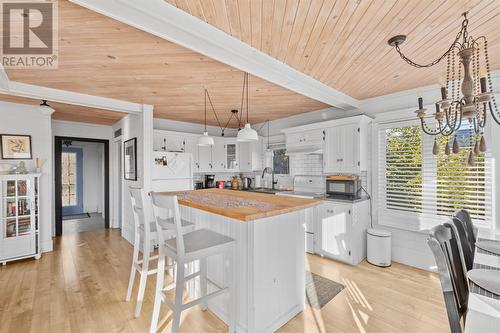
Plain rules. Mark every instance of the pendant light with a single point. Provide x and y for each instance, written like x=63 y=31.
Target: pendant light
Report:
x=205 y=140
x=247 y=134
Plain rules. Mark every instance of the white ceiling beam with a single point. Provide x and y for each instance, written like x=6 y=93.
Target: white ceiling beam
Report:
x=4 y=78
x=170 y=23
x=68 y=97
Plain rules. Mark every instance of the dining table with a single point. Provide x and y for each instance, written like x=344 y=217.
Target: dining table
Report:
x=483 y=314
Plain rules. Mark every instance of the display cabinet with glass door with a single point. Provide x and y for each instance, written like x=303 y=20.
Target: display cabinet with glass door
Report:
x=19 y=222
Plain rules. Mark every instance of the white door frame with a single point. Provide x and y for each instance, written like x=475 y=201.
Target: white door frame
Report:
x=118 y=183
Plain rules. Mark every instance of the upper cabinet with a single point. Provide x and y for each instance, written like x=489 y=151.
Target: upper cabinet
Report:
x=250 y=156
x=224 y=156
x=343 y=143
x=309 y=137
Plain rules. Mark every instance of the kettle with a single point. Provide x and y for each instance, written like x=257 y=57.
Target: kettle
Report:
x=247 y=183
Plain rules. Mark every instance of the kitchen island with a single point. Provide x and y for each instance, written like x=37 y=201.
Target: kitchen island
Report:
x=269 y=258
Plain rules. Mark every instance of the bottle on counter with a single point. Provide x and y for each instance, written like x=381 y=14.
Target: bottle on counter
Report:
x=235 y=183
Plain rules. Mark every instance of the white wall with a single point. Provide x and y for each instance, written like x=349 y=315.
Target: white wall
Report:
x=93 y=175
x=29 y=120
x=135 y=126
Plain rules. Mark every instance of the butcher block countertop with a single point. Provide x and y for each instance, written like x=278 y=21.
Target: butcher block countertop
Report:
x=241 y=205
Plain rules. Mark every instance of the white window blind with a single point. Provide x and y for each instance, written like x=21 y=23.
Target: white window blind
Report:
x=415 y=183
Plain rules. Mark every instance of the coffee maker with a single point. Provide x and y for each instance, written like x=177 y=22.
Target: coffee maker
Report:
x=209 y=181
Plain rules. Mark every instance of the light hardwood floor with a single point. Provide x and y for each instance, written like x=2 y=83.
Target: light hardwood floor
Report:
x=81 y=286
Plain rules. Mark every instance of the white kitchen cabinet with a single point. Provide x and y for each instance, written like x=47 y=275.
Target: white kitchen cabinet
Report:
x=250 y=156
x=335 y=223
x=231 y=160
x=340 y=152
x=307 y=137
x=204 y=159
x=169 y=141
x=219 y=155
x=19 y=219
x=345 y=146
x=191 y=147
x=341 y=231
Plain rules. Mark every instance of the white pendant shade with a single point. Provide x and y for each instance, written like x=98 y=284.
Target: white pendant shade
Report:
x=247 y=134
x=205 y=140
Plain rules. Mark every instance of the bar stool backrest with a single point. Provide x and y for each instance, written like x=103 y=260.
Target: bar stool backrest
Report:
x=140 y=210
x=167 y=207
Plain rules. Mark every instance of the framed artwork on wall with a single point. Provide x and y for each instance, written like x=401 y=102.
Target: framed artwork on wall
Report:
x=16 y=147
x=130 y=162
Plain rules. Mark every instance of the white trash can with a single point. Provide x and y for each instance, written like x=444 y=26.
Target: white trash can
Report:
x=379 y=247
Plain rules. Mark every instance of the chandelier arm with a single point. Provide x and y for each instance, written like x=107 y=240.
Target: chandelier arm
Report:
x=426 y=129
x=493 y=114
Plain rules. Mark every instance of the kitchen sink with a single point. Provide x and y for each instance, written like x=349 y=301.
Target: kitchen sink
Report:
x=266 y=190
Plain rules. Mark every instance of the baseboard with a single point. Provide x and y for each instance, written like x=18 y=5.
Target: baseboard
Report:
x=47 y=246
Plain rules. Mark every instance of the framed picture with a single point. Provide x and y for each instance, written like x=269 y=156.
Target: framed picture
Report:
x=130 y=162
x=16 y=147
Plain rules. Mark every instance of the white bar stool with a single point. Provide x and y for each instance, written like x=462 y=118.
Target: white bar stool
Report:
x=145 y=232
x=184 y=249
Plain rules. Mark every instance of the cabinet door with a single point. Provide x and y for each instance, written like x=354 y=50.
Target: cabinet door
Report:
x=159 y=141
x=175 y=142
x=335 y=230
x=313 y=137
x=231 y=156
x=245 y=155
x=256 y=155
x=17 y=217
x=332 y=159
x=191 y=147
x=349 y=141
x=219 y=155
x=204 y=159
x=294 y=139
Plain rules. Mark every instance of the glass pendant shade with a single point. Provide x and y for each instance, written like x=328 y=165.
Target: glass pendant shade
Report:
x=205 y=140
x=247 y=134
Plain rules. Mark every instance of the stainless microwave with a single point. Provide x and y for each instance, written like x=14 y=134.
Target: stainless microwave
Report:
x=343 y=185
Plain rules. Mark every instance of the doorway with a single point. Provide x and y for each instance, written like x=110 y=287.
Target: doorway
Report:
x=81 y=184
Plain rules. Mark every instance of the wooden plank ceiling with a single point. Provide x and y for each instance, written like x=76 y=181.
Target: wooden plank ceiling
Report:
x=104 y=57
x=70 y=112
x=343 y=43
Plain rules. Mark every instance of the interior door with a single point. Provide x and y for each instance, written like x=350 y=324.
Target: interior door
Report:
x=72 y=180
x=335 y=230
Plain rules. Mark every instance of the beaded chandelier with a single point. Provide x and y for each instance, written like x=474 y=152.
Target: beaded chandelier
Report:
x=470 y=103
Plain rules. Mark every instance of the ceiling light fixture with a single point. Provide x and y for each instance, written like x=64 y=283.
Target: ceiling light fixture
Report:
x=206 y=140
x=472 y=103
x=247 y=133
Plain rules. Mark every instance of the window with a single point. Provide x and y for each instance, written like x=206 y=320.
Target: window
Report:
x=69 y=183
x=414 y=183
x=281 y=163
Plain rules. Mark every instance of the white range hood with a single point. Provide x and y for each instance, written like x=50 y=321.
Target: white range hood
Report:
x=304 y=149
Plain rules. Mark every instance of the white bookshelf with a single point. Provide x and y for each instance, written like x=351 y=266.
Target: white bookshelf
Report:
x=19 y=219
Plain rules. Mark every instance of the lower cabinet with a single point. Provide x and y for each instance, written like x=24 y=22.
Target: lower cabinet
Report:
x=342 y=230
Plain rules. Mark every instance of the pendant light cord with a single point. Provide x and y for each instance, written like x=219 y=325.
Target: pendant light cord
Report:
x=246 y=75
x=206 y=92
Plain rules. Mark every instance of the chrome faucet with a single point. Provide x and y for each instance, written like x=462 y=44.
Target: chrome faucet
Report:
x=271 y=171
